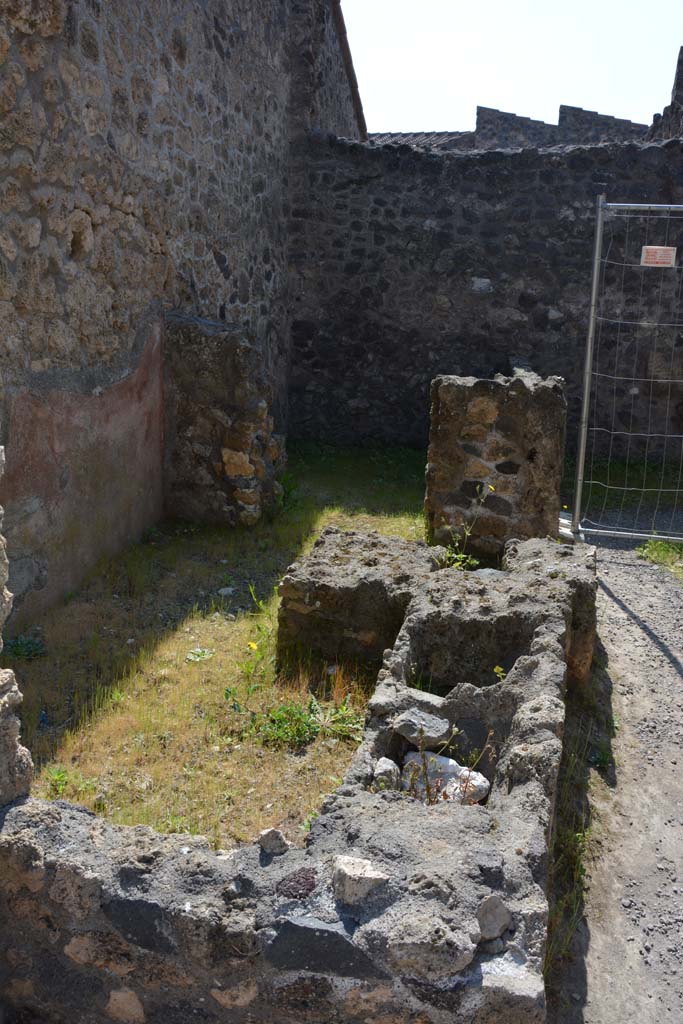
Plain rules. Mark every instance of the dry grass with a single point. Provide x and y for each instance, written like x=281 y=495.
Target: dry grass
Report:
x=119 y=720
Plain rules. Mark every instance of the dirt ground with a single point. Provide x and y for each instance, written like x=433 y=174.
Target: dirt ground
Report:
x=626 y=964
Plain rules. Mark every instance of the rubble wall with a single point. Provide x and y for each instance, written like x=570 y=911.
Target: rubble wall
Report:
x=495 y=460
x=400 y=908
x=145 y=157
x=413 y=264
x=497 y=129
x=222 y=456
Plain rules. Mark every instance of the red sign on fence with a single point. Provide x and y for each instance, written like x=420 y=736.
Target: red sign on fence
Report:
x=658 y=256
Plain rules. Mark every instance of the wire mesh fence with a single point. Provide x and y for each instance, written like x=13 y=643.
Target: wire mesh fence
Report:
x=630 y=457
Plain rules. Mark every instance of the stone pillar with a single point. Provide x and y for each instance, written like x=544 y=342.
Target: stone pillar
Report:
x=221 y=454
x=496 y=453
x=16 y=767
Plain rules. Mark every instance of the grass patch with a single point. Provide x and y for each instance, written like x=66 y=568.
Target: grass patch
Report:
x=664 y=552
x=159 y=704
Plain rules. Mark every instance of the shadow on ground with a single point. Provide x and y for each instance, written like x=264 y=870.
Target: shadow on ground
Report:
x=77 y=653
x=587 y=760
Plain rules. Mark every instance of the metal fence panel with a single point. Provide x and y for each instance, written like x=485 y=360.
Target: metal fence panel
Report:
x=630 y=451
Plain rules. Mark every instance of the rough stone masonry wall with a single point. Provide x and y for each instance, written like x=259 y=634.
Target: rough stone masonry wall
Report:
x=16 y=767
x=396 y=912
x=145 y=154
x=222 y=456
x=414 y=264
x=495 y=461
x=497 y=129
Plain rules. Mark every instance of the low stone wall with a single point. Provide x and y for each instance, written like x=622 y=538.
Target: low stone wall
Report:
x=16 y=768
x=400 y=909
x=495 y=462
x=347 y=600
x=221 y=453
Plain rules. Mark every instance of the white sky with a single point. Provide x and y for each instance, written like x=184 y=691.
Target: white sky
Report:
x=427 y=64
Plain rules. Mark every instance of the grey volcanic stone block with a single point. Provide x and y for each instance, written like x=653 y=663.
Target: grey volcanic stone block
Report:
x=347 y=599
x=306 y=944
x=420 y=727
x=496 y=450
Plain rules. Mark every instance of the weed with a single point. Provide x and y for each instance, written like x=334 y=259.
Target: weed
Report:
x=294 y=725
x=57 y=780
x=260 y=662
x=342 y=721
x=25 y=647
x=290 y=725
x=199 y=654
x=499 y=672
x=308 y=821
x=456 y=556
x=663 y=552
x=601 y=758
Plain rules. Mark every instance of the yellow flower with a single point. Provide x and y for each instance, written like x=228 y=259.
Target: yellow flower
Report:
x=252 y=646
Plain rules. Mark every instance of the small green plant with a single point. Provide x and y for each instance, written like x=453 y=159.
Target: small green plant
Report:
x=260 y=661
x=25 y=646
x=663 y=552
x=290 y=724
x=199 y=654
x=308 y=821
x=293 y=724
x=340 y=721
x=457 y=556
x=58 y=780
x=601 y=758
x=499 y=672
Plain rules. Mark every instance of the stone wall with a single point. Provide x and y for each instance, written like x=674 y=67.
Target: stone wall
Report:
x=495 y=461
x=16 y=768
x=145 y=162
x=669 y=124
x=414 y=264
x=497 y=129
x=221 y=453
x=404 y=906
x=325 y=92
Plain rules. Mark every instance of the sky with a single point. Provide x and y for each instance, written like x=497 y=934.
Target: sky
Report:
x=427 y=64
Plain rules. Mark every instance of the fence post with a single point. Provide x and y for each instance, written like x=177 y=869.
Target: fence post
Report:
x=588 y=366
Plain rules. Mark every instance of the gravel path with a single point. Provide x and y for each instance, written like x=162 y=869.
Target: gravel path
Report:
x=629 y=962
